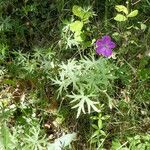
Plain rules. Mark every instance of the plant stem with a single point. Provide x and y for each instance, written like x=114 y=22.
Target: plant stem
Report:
x=106 y=14
x=128 y=5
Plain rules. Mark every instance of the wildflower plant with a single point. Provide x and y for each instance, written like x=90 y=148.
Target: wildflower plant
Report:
x=51 y=59
x=83 y=81
x=125 y=13
x=105 y=46
x=76 y=32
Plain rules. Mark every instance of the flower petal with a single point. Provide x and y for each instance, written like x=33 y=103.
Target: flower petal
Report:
x=111 y=45
x=108 y=53
x=99 y=50
x=104 y=51
x=106 y=39
x=105 y=46
x=99 y=42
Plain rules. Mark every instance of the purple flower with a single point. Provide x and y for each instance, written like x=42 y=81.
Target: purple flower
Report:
x=105 y=46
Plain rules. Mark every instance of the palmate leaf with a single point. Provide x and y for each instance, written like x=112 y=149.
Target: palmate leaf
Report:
x=78 y=11
x=81 y=100
x=87 y=76
x=84 y=15
x=5 y=24
x=34 y=139
x=68 y=75
x=62 y=83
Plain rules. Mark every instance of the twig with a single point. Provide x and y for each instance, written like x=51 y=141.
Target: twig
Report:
x=136 y=2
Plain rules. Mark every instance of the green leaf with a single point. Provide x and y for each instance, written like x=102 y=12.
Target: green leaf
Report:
x=3 y=49
x=95 y=126
x=121 y=8
x=86 y=16
x=115 y=144
x=100 y=125
x=96 y=133
x=5 y=136
x=143 y=26
x=82 y=14
x=120 y=18
x=102 y=132
x=78 y=37
x=7 y=141
x=133 y=13
x=105 y=117
x=86 y=43
x=82 y=100
x=76 y=26
x=78 y=11
x=9 y=81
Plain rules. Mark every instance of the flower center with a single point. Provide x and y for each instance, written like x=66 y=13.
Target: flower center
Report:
x=105 y=45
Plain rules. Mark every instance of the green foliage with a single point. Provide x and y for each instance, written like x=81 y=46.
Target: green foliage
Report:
x=79 y=28
x=3 y=52
x=76 y=26
x=132 y=13
x=88 y=77
x=99 y=135
x=21 y=139
x=81 y=100
x=137 y=142
x=121 y=17
x=84 y=15
x=7 y=141
x=121 y=8
x=56 y=92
